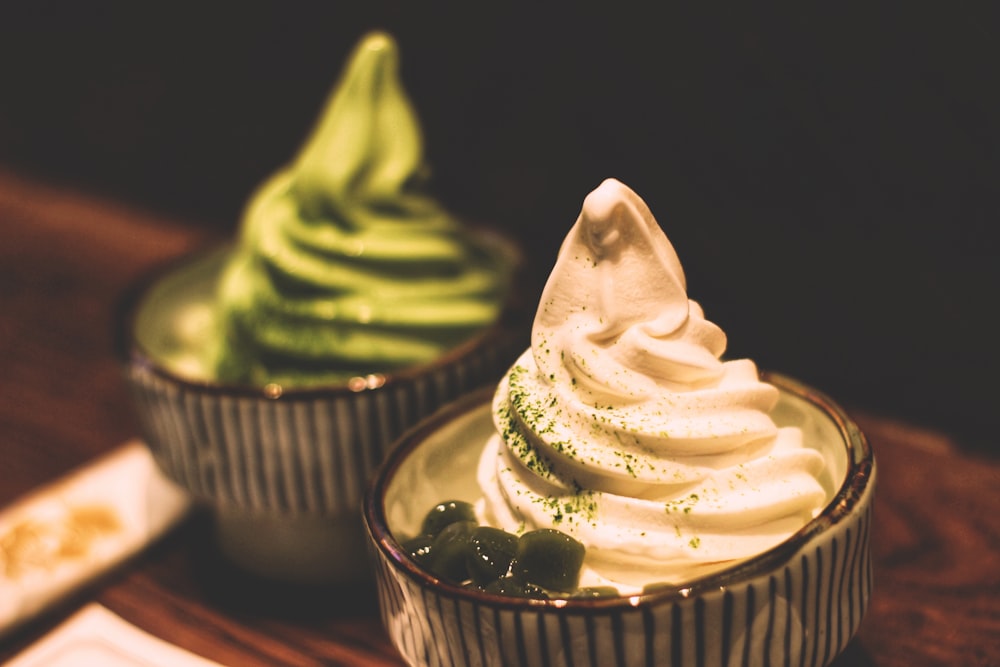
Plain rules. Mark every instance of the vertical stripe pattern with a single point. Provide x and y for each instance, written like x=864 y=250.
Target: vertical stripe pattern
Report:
x=802 y=614
x=308 y=453
x=796 y=605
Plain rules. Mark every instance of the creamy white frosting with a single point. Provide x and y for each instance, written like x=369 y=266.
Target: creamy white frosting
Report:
x=623 y=426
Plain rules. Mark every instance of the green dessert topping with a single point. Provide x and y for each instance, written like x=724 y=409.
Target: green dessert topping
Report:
x=550 y=559
x=446 y=513
x=542 y=563
x=491 y=553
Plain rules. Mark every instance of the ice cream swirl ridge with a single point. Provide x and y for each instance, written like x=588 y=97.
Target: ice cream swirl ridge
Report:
x=345 y=263
x=622 y=424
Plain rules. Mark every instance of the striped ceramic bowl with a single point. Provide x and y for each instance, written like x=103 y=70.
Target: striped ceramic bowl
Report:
x=283 y=469
x=796 y=604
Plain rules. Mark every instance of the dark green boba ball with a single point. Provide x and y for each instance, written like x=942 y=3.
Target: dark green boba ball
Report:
x=447 y=513
x=419 y=548
x=490 y=554
x=449 y=553
x=512 y=587
x=550 y=559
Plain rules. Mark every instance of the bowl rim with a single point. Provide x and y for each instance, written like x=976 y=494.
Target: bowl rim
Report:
x=858 y=477
x=131 y=353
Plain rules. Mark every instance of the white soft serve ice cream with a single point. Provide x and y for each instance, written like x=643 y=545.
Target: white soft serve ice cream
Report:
x=623 y=427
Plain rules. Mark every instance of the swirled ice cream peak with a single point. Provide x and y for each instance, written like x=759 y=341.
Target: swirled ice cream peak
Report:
x=346 y=264
x=368 y=144
x=624 y=426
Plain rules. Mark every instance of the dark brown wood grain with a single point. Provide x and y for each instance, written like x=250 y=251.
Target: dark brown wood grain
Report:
x=66 y=259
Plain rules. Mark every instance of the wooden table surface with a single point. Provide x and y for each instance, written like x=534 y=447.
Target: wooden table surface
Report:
x=65 y=260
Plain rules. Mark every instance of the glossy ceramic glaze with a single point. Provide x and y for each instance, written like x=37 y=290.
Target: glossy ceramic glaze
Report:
x=796 y=604
x=283 y=469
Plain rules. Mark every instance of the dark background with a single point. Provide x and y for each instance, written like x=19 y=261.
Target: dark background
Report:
x=827 y=173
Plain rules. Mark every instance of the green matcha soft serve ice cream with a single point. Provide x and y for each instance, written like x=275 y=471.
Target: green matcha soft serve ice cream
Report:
x=344 y=264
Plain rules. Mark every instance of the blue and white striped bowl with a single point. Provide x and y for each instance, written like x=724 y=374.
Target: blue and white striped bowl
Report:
x=283 y=469
x=797 y=604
